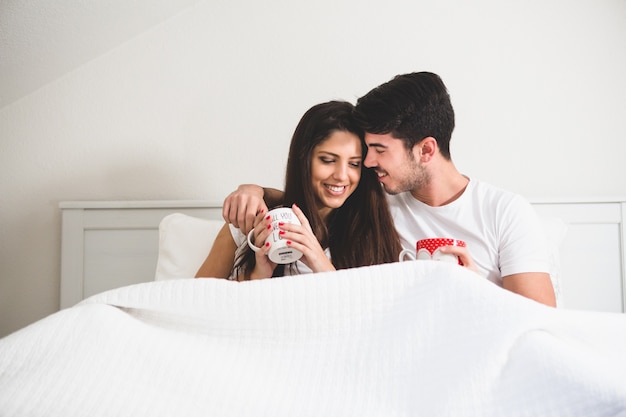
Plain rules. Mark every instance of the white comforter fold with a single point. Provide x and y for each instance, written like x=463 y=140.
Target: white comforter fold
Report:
x=404 y=339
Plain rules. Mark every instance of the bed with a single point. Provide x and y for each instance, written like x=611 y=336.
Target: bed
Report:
x=402 y=339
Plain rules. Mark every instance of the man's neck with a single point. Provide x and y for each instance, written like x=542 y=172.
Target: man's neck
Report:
x=445 y=187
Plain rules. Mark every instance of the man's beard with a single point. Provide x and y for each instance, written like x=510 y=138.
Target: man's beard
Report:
x=416 y=178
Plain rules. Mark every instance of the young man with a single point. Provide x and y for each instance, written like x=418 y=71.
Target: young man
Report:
x=408 y=123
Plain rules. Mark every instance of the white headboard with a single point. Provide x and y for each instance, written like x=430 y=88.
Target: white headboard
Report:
x=108 y=244
x=593 y=254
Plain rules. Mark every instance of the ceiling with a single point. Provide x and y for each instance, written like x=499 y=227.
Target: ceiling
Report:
x=42 y=40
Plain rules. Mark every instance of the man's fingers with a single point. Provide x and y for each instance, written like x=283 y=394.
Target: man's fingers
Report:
x=246 y=219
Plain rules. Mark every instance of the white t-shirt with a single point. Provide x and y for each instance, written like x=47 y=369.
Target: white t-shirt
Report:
x=501 y=229
x=296 y=268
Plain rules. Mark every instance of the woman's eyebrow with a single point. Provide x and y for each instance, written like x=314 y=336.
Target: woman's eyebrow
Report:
x=328 y=153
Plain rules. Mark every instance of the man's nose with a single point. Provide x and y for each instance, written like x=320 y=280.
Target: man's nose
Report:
x=370 y=160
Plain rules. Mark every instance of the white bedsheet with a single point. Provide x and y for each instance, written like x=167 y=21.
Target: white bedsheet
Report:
x=405 y=339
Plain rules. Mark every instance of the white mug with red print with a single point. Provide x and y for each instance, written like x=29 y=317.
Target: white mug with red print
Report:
x=428 y=249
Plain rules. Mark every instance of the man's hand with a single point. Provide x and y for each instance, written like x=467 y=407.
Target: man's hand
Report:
x=241 y=206
x=463 y=254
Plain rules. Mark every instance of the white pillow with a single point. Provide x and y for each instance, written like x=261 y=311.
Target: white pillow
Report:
x=184 y=243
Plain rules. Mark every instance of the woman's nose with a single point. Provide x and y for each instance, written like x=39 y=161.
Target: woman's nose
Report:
x=341 y=172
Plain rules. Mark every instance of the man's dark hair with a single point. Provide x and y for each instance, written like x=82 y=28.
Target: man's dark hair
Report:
x=410 y=107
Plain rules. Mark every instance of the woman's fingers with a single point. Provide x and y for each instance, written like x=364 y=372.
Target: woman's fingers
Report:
x=300 y=215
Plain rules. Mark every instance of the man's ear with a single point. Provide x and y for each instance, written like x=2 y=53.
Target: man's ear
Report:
x=427 y=149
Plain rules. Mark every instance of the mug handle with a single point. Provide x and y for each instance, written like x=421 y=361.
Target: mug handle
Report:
x=252 y=246
x=406 y=253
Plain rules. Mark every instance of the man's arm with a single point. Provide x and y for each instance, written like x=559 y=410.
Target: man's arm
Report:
x=242 y=205
x=534 y=285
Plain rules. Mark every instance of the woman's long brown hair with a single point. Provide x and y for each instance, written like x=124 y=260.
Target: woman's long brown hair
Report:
x=360 y=232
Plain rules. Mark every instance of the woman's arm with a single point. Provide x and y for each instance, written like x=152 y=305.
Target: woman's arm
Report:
x=221 y=258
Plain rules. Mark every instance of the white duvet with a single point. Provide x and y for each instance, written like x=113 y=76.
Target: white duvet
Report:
x=405 y=339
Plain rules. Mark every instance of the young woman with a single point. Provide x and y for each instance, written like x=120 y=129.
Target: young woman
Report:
x=344 y=216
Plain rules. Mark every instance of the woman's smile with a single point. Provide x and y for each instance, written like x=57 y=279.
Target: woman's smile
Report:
x=336 y=168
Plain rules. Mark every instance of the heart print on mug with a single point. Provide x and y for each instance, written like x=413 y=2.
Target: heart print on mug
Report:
x=429 y=249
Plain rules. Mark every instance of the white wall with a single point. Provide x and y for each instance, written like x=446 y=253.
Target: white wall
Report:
x=209 y=98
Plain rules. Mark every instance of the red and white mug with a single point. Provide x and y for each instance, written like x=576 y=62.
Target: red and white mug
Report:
x=429 y=249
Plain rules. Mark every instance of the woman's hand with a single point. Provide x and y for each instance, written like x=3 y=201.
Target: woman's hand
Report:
x=263 y=227
x=463 y=254
x=301 y=238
